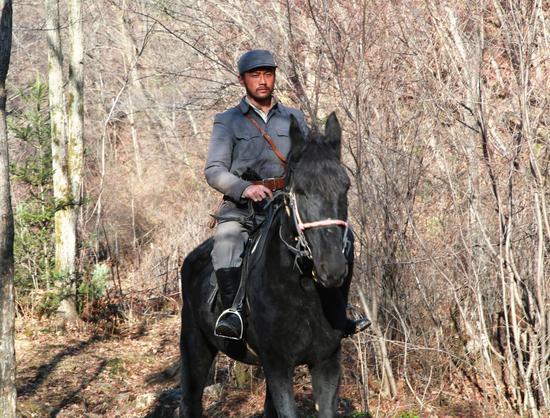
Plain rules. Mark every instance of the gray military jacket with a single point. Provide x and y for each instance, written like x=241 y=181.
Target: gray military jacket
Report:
x=236 y=145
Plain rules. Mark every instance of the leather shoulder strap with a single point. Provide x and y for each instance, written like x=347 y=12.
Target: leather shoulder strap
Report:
x=268 y=139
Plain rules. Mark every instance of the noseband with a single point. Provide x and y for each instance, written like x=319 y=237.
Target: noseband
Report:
x=302 y=248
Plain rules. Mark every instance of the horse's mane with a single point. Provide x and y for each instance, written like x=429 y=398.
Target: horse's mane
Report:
x=315 y=167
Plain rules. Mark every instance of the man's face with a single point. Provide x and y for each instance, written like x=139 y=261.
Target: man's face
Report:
x=259 y=83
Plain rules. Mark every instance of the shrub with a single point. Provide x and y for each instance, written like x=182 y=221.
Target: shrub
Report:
x=31 y=173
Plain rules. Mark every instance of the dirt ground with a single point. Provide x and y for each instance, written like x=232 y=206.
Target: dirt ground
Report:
x=129 y=371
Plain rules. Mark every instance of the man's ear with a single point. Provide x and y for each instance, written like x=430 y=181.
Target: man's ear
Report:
x=333 y=134
x=241 y=80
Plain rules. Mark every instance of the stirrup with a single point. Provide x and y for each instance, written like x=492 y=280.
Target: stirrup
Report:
x=227 y=312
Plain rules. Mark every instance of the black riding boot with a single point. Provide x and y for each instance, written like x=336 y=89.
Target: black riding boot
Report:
x=229 y=323
x=333 y=302
x=353 y=326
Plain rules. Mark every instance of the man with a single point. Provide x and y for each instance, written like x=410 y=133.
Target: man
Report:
x=237 y=148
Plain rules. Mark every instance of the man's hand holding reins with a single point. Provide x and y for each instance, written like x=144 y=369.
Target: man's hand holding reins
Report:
x=257 y=192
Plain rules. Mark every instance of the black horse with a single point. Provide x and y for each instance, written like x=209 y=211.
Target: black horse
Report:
x=294 y=293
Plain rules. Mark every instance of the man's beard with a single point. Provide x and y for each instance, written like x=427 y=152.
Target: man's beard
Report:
x=256 y=96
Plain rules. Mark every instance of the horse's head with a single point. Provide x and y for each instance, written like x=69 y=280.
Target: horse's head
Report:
x=318 y=186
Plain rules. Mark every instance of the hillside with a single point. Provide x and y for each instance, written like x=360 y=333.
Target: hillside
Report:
x=446 y=139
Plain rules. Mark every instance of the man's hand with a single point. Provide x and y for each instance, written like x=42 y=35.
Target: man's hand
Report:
x=257 y=192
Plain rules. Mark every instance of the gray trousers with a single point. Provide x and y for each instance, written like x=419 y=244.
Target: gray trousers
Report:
x=231 y=235
x=229 y=241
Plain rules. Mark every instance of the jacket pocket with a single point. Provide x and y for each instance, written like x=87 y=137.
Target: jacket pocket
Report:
x=283 y=140
x=248 y=146
x=282 y=128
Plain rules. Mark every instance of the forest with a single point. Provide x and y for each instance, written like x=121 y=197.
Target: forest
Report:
x=107 y=111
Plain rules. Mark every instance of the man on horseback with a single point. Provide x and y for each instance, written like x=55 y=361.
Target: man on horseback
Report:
x=246 y=162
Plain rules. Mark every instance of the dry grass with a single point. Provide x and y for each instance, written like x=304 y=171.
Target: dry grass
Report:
x=86 y=371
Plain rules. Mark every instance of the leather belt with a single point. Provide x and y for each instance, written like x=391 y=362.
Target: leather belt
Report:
x=272 y=183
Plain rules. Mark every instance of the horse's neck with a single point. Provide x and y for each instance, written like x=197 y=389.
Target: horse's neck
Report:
x=289 y=290
x=279 y=254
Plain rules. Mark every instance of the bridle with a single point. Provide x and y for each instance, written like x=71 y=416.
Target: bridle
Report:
x=302 y=248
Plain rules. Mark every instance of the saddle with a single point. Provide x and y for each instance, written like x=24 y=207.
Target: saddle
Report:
x=253 y=252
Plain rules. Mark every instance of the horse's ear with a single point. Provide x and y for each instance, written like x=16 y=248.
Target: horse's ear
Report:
x=296 y=135
x=333 y=133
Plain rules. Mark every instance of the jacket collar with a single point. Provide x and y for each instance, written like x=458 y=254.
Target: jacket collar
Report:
x=244 y=106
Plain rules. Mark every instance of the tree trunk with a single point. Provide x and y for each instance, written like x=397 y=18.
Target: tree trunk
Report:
x=65 y=215
x=7 y=299
x=75 y=110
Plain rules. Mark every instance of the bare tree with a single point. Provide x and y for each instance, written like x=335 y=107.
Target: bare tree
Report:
x=75 y=111
x=66 y=115
x=7 y=297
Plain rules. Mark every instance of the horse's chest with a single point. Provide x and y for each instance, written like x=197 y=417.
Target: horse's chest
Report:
x=297 y=329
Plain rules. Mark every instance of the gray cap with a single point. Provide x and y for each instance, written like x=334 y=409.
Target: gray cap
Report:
x=255 y=59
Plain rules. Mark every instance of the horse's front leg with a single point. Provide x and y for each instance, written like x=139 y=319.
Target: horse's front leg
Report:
x=325 y=377
x=280 y=398
x=196 y=358
x=269 y=407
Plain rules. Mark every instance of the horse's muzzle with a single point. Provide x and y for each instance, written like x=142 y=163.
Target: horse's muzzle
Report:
x=332 y=276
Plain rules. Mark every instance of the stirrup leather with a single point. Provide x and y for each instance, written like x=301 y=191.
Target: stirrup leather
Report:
x=226 y=313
